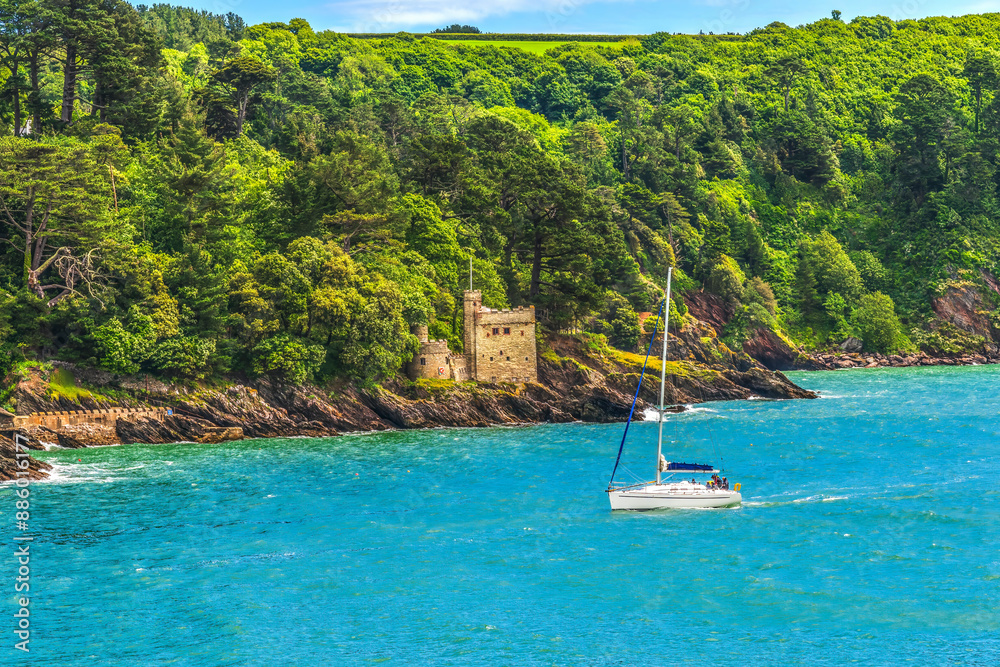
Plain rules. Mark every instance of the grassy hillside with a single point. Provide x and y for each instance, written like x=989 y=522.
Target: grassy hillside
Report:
x=533 y=46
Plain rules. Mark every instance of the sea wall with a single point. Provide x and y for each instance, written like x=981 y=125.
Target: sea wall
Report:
x=107 y=417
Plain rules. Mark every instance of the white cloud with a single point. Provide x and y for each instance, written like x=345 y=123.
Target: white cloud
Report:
x=392 y=15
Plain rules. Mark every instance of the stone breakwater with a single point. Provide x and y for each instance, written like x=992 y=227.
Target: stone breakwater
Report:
x=575 y=384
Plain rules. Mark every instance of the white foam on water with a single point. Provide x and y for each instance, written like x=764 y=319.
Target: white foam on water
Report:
x=650 y=414
x=65 y=473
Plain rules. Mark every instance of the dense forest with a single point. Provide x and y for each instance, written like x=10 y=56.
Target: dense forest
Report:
x=189 y=196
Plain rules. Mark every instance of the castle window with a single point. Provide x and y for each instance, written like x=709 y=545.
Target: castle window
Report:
x=496 y=330
x=526 y=358
x=508 y=358
x=501 y=353
x=522 y=332
x=423 y=362
x=506 y=330
x=491 y=358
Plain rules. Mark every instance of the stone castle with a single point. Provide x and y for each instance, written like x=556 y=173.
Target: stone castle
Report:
x=499 y=347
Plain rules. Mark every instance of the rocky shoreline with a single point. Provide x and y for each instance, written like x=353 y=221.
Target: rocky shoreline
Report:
x=830 y=361
x=576 y=383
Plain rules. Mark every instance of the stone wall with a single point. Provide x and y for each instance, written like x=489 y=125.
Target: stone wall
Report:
x=109 y=417
x=505 y=345
x=459 y=368
x=432 y=361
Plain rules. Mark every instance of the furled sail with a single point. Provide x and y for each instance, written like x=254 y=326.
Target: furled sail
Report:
x=674 y=466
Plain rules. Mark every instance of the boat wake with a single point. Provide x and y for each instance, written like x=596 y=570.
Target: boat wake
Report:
x=819 y=498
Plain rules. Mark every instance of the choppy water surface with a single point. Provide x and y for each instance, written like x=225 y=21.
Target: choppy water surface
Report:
x=870 y=532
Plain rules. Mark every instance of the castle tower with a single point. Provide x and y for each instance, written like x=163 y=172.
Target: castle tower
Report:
x=420 y=331
x=472 y=301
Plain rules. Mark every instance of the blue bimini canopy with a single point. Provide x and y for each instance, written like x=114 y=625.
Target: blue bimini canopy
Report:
x=673 y=466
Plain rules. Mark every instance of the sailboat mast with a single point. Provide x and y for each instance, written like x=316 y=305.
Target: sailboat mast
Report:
x=663 y=371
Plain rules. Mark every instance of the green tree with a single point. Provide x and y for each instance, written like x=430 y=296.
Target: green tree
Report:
x=923 y=111
x=183 y=357
x=123 y=347
x=981 y=72
x=55 y=198
x=186 y=188
x=785 y=70
x=832 y=267
x=16 y=26
x=241 y=76
x=620 y=322
x=876 y=321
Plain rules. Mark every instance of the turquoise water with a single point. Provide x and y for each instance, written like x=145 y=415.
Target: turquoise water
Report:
x=870 y=533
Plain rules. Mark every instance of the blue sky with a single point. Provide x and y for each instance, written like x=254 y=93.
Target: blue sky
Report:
x=575 y=16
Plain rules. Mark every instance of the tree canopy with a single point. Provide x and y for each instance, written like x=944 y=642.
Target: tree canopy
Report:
x=184 y=194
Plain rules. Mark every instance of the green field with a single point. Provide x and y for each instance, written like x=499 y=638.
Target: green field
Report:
x=531 y=47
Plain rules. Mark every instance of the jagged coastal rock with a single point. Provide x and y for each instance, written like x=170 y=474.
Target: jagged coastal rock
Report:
x=9 y=466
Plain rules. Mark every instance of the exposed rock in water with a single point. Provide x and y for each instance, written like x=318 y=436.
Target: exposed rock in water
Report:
x=216 y=434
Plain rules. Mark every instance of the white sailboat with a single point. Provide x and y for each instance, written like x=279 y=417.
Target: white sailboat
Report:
x=665 y=494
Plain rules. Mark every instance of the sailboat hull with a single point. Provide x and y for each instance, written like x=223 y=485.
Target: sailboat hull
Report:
x=672 y=496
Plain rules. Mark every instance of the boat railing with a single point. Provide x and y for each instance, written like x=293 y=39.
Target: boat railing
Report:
x=628 y=486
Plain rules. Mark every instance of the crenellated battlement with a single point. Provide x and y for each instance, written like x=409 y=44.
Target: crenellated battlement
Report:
x=525 y=316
